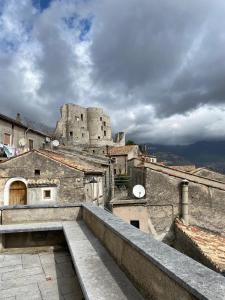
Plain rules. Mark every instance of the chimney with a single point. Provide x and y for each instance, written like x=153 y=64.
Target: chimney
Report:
x=18 y=117
x=184 y=201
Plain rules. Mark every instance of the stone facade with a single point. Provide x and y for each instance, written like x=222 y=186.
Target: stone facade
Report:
x=83 y=126
x=49 y=181
x=163 y=195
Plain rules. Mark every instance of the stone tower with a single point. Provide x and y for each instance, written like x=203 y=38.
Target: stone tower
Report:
x=83 y=126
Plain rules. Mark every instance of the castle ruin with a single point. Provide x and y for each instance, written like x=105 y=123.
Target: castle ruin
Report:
x=85 y=126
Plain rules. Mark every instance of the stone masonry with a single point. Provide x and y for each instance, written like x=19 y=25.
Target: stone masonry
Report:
x=83 y=126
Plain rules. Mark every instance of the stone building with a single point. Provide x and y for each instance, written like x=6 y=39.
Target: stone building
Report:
x=121 y=155
x=83 y=126
x=15 y=137
x=48 y=177
x=163 y=186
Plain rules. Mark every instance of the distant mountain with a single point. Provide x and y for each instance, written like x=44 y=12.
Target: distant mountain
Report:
x=209 y=154
x=38 y=126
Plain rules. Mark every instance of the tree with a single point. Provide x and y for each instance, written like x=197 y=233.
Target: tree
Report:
x=130 y=142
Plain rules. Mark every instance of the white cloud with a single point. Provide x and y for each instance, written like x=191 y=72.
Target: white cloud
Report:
x=156 y=67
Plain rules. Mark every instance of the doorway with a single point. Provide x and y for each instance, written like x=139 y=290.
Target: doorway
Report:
x=18 y=193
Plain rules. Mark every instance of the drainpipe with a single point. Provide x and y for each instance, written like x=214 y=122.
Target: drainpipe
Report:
x=184 y=201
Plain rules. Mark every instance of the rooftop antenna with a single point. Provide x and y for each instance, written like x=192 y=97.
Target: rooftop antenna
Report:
x=138 y=191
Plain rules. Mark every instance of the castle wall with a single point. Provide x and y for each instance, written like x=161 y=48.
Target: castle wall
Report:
x=84 y=126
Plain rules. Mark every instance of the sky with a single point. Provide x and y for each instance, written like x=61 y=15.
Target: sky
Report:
x=157 y=67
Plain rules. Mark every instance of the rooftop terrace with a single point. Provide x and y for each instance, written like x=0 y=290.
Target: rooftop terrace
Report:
x=114 y=260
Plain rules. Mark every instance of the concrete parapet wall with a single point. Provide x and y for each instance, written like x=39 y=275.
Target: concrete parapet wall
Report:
x=32 y=214
x=157 y=270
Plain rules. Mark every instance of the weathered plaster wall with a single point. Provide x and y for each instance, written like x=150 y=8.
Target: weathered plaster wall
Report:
x=18 y=133
x=120 y=165
x=133 y=212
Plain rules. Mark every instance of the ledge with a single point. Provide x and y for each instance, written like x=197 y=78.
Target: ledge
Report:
x=195 y=278
x=9 y=207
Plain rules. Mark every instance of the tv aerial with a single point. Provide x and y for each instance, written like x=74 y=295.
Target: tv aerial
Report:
x=55 y=143
x=139 y=191
x=22 y=142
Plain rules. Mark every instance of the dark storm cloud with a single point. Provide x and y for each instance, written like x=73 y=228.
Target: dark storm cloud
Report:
x=171 y=51
x=157 y=67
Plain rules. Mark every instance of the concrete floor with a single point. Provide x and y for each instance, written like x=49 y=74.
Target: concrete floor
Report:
x=46 y=276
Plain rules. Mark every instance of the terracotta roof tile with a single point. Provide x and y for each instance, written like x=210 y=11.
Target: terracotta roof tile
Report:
x=69 y=161
x=185 y=168
x=210 y=244
x=122 y=150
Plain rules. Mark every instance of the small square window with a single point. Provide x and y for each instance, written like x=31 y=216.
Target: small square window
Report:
x=99 y=137
x=47 y=194
x=37 y=172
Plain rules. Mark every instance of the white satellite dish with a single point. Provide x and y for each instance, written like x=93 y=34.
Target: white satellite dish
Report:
x=22 y=142
x=55 y=143
x=138 y=191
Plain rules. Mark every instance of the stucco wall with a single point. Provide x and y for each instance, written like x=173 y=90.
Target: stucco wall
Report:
x=18 y=133
x=133 y=212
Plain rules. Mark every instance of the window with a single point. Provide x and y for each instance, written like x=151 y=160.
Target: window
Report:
x=104 y=132
x=82 y=134
x=114 y=171
x=93 y=151
x=71 y=133
x=37 y=172
x=31 y=144
x=100 y=118
x=104 y=123
x=47 y=194
x=135 y=223
x=99 y=137
x=82 y=117
x=101 y=127
x=6 y=140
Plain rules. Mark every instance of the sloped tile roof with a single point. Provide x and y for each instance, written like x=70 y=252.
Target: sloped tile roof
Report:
x=210 y=244
x=69 y=161
x=122 y=150
x=185 y=168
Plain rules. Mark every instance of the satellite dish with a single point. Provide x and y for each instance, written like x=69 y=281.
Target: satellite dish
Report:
x=55 y=143
x=22 y=142
x=138 y=191
x=47 y=139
